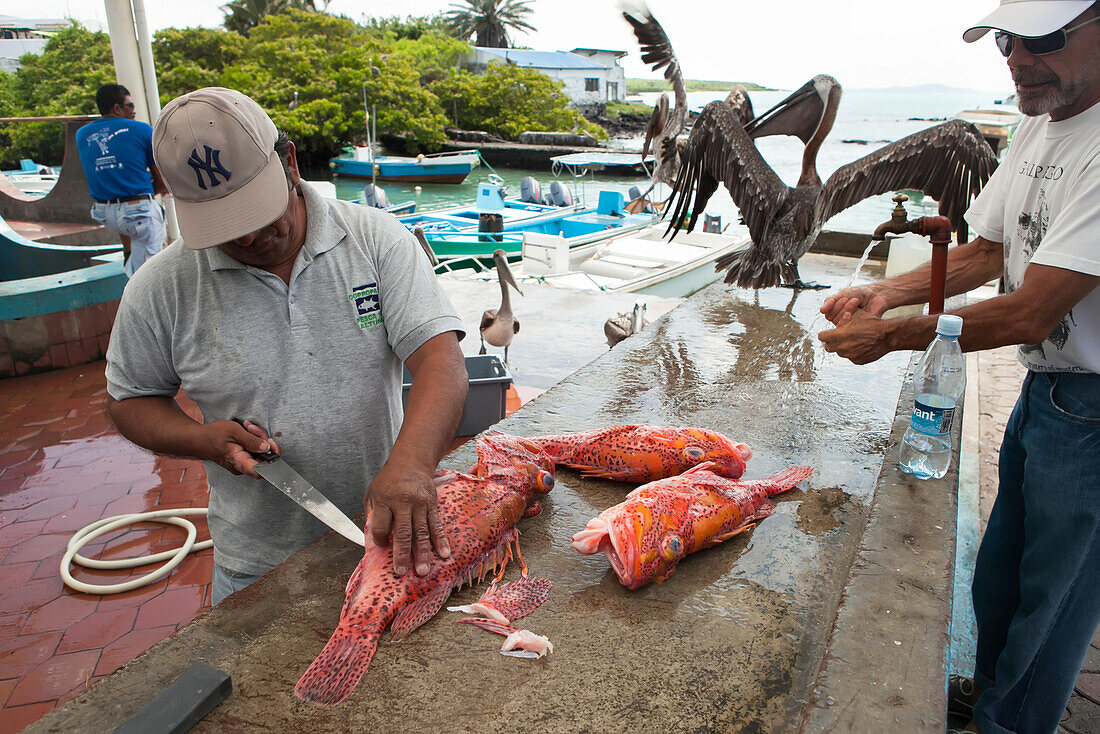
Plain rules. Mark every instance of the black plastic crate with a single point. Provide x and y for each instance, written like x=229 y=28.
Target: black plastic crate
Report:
x=487 y=398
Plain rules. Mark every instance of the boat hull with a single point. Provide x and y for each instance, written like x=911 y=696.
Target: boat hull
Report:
x=411 y=170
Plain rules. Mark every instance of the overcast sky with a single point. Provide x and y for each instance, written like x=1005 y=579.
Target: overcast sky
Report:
x=778 y=43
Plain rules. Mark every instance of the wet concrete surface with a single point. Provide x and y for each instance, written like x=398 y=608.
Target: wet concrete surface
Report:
x=736 y=640
x=560 y=329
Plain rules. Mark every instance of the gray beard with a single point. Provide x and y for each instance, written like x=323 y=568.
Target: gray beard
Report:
x=1055 y=97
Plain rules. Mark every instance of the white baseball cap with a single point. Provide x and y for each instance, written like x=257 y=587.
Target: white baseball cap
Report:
x=215 y=148
x=1028 y=18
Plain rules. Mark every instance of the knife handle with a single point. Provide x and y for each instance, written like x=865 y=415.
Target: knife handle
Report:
x=268 y=455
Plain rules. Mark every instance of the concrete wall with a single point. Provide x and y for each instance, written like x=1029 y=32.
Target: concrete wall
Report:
x=68 y=201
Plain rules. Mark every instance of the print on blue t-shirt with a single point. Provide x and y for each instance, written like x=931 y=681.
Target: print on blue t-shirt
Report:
x=116 y=154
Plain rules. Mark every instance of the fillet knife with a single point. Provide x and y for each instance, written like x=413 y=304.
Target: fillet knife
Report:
x=289 y=482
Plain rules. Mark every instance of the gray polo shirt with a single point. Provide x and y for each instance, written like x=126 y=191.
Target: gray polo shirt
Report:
x=318 y=363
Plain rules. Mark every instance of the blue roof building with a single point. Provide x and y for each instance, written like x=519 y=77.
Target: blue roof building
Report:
x=592 y=77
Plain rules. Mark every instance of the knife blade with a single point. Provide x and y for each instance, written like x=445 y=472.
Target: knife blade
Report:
x=280 y=475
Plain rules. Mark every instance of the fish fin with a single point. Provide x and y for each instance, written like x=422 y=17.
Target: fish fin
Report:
x=766 y=509
x=735 y=532
x=518 y=598
x=701 y=467
x=787 y=479
x=337 y=670
x=490 y=625
x=601 y=473
x=419 y=612
x=532 y=509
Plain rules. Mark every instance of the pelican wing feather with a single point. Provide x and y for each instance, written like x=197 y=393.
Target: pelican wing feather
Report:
x=657 y=52
x=720 y=151
x=950 y=162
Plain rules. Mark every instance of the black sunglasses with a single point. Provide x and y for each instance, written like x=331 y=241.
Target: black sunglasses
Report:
x=1037 y=45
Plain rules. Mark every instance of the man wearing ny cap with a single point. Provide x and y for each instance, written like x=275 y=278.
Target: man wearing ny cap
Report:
x=295 y=314
x=116 y=154
x=1036 y=584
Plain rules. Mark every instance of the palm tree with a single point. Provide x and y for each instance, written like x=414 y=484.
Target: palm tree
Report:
x=244 y=15
x=488 y=20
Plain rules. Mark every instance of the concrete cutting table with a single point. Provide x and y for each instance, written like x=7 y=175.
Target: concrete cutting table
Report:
x=831 y=615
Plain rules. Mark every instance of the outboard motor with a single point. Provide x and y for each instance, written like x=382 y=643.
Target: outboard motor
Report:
x=529 y=190
x=559 y=194
x=375 y=196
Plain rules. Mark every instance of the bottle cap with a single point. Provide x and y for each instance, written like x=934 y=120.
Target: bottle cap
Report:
x=949 y=325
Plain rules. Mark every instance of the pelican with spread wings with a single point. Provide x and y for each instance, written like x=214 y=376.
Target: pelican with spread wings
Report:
x=949 y=162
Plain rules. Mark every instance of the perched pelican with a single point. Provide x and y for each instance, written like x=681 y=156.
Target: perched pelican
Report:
x=620 y=327
x=293 y=103
x=664 y=128
x=418 y=233
x=949 y=162
x=498 y=325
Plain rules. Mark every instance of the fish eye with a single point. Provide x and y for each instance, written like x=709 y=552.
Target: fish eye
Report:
x=671 y=547
x=544 y=481
x=694 y=452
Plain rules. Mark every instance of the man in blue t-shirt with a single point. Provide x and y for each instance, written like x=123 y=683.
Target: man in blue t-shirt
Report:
x=116 y=152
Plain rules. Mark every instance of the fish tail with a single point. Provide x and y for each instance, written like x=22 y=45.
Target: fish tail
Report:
x=337 y=670
x=786 y=479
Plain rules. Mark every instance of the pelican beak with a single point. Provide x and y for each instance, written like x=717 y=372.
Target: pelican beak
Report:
x=790 y=101
x=504 y=272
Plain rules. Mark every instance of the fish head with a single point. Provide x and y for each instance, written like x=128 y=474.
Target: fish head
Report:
x=643 y=537
x=514 y=461
x=698 y=445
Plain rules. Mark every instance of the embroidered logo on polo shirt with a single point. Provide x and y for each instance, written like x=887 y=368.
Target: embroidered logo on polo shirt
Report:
x=368 y=311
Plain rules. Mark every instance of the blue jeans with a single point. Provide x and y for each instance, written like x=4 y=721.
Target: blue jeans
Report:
x=142 y=221
x=224 y=582
x=1037 y=577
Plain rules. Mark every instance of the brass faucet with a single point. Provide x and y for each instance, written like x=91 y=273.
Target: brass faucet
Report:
x=899 y=220
x=937 y=230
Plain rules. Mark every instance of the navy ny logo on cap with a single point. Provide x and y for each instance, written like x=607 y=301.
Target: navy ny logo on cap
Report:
x=212 y=165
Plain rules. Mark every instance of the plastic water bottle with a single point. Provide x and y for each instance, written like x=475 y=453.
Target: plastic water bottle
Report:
x=938 y=383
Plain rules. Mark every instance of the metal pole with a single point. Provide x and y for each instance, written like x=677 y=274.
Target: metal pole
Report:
x=152 y=94
x=124 y=50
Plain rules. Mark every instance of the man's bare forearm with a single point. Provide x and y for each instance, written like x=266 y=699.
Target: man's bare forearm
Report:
x=968 y=266
x=434 y=407
x=155 y=423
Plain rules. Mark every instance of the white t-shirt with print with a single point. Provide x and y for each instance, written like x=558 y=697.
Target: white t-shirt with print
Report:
x=1043 y=203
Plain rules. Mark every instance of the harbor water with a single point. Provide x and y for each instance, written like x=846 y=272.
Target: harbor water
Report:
x=866 y=120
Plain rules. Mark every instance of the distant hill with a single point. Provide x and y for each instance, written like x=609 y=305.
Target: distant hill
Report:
x=925 y=89
x=634 y=86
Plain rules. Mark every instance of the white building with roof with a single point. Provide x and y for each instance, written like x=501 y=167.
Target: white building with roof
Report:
x=592 y=77
x=20 y=36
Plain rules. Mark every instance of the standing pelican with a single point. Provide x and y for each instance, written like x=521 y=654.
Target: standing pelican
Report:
x=293 y=103
x=498 y=325
x=949 y=162
x=620 y=327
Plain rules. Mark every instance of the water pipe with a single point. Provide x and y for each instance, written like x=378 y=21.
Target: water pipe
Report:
x=938 y=231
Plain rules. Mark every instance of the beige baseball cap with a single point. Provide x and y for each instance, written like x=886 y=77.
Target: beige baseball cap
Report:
x=215 y=148
x=1028 y=18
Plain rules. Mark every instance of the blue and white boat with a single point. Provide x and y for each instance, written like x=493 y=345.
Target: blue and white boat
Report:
x=465 y=233
x=362 y=162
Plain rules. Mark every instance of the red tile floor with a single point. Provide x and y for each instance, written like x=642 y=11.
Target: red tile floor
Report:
x=63 y=466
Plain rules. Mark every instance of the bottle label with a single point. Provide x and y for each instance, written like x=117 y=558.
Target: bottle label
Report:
x=930 y=420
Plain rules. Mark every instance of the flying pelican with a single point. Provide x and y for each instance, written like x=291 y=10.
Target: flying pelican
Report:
x=662 y=134
x=498 y=325
x=949 y=162
x=620 y=327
